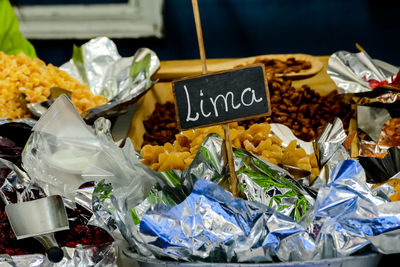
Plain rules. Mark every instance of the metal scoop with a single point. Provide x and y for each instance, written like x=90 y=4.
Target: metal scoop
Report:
x=40 y=219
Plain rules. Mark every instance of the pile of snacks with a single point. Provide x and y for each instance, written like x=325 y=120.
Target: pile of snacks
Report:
x=290 y=65
x=81 y=233
x=257 y=139
x=77 y=234
x=161 y=127
x=390 y=137
x=304 y=111
x=9 y=150
x=32 y=78
x=9 y=243
x=390 y=133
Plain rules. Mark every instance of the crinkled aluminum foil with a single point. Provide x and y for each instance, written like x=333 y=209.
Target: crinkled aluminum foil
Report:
x=268 y=184
x=352 y=71
x=329 y=141
x=19 y=183
x=63 y=153
x=274 y=186
x=213 y=226
x=121 y=80
x=381 y=169
x=371 y=119
x=378 y=97
x=329 y=150
x=286 y=135
x=259 y=179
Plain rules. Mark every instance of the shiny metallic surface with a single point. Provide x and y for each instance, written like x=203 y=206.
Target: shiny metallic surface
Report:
x=108 y=74
x=351 y=71
x=205 y=223
x=368 y=260
x=329 y=151
x=371 y=119
x=329 y=141
x=46 y=215
x=18 y=181
x=211 y=225
x=379 y=170
x=63 y=153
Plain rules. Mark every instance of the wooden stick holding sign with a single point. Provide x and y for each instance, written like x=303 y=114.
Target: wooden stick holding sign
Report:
x=220 y=98
x=228 y=142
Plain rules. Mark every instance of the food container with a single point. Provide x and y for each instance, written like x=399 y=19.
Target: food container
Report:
x=367 y=260
x=162 y=92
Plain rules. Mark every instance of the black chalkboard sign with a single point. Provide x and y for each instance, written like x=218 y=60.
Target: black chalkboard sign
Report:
x=223 y=97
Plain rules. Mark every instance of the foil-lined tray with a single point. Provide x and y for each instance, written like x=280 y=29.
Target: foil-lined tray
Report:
x=122 y=80
x=367 y=260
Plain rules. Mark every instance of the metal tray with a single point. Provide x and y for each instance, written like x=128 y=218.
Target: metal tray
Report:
x=367 y=260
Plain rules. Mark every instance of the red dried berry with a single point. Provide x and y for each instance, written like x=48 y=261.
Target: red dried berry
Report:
x=71 y=244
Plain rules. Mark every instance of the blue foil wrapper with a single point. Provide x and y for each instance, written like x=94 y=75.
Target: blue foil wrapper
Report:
x=212 y=225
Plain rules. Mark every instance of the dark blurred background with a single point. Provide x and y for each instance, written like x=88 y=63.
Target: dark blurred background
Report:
x=240 y=28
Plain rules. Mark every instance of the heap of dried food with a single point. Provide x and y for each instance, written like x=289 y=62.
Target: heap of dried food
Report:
x=25 y=79
x=161 y=127
x=390 y=137
x=79 y=232
x=9 y=150
x=290 y=65
x=256 y=139
x=304 y=111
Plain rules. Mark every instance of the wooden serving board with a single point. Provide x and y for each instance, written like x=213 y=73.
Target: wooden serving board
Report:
x=177 y=69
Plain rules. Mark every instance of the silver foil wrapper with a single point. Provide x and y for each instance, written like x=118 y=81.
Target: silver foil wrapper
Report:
x=210 y=225
x=352 y=71
x=63 y=153
x=329 y=150
x=379 y=170
x=122 y=80
x=286 y=135
x=371 y=119
x=260 y=180
x=19 y=187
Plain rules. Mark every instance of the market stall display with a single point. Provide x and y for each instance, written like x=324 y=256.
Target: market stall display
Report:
x=260 y=180
x=317 y=180
x=304 y=110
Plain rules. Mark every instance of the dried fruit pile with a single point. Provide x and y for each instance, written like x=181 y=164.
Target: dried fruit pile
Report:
x=290 y=65
x=10 y=245
x=304 y=111
x=80 y=232
x=161 y=127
